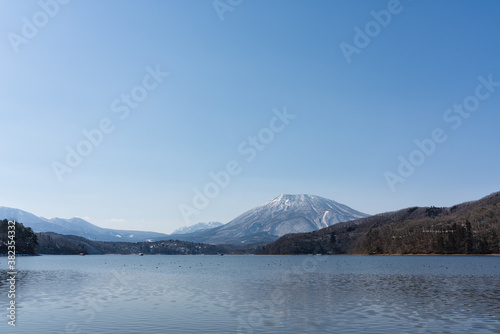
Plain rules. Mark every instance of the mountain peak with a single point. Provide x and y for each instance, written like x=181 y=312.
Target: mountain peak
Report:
x=299 y=197
x=282 y=215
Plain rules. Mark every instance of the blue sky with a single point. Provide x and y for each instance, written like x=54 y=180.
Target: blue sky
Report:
x=227 y=80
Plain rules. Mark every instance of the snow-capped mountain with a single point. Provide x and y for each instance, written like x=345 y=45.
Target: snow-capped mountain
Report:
x=282 y=215
x=197 y=227
x=76 y=226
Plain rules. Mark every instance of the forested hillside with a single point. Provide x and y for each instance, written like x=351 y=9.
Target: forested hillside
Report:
x=468 y=228
x=23 y=238
x=53 y=243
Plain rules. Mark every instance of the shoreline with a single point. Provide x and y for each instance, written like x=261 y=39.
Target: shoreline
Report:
x=34 y=255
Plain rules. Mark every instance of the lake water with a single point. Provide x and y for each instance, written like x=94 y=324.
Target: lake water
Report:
x=254 y=294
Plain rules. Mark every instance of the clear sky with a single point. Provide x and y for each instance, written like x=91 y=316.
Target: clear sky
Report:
x=283 y=96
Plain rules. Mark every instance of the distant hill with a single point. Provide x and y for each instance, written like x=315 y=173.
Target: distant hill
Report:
x=467 y=228
x=282 y=215
x=197 y=227
x=57 y=244
x=77 y=226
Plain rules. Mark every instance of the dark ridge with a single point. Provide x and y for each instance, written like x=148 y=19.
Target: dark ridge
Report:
x=467 y=228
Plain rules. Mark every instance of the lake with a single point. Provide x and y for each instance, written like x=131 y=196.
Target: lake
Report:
x=254 y=294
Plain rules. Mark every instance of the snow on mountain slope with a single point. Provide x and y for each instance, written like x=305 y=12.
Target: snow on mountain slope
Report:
x=196 y=227
x=76 y=226
x=282 y=215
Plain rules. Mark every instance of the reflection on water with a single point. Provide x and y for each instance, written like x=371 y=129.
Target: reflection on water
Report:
x=255 y=294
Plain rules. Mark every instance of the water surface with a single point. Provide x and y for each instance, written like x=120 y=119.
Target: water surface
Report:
x=254 y=294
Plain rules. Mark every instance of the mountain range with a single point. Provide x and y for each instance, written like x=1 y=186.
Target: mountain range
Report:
x=282 y=215
x=296 y=223
x=76 y=226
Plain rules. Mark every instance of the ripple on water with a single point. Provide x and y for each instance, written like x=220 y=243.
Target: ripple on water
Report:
x=198 y=294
